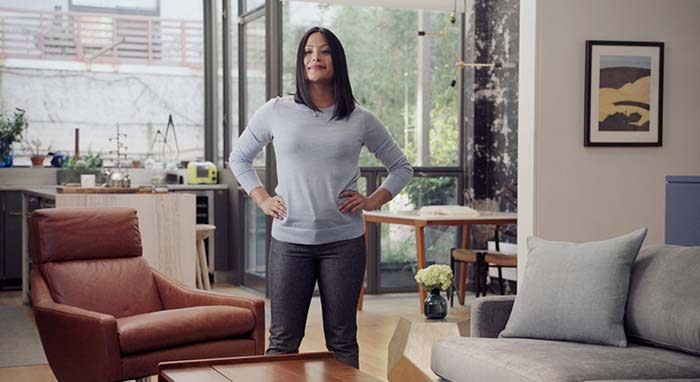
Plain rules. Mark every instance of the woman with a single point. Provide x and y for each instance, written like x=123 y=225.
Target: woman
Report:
x=318 y=232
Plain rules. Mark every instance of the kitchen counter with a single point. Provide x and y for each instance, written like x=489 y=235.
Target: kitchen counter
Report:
x=50 y=191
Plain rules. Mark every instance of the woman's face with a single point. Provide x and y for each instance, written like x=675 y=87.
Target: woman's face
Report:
x=317 y=59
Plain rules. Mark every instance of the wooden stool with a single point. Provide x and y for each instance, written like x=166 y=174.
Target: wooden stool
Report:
x=203 y=231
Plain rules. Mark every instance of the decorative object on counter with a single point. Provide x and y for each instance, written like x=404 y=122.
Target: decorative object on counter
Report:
x=76 y=155
x=11 y=129
x=167 y=155
x=435 y=278
x=117 y=177
x=120 y=152
x=57 y=159
x=201 y=173
x=87 y=180
x=73 y=168
x=37 y=150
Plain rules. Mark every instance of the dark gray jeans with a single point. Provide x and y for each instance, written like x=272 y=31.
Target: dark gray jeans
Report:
x=339 y=268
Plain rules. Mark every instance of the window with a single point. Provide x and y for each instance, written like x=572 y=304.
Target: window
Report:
x=93 y=71
x=406 y=80
x=388 y=74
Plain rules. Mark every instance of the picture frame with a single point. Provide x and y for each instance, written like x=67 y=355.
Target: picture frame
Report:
x=624 y=93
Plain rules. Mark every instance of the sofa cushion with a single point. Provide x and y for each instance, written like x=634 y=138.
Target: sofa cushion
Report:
x=663 y=307
x=458 y=359
x=168 y=328
x=575 y=291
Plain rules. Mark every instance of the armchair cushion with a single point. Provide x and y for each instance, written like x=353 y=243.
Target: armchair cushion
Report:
x=83 y=234
x=168 y=328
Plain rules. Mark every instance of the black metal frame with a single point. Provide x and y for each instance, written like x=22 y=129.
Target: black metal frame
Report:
x=587 y=97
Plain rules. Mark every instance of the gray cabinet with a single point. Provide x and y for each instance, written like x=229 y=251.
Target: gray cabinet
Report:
x=683 y=210
x=11 y=235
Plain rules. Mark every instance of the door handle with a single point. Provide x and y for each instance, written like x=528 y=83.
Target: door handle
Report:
x=15 y=214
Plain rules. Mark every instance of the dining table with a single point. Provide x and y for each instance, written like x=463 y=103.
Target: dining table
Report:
x=420 y=220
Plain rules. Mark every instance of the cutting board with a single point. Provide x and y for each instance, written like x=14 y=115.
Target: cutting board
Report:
x=101 y=190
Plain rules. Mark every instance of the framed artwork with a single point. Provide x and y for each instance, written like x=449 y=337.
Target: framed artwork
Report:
x=624 y=92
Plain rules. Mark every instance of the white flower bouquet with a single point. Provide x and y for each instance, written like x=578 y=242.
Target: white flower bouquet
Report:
x=435 y=276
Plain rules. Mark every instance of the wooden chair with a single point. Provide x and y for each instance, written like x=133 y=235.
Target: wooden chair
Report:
x=481 y=260
x=500 y=261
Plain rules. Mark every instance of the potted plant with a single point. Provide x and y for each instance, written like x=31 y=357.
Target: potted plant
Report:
x=11 y=129
x=73 y=168
x=433 y=279
x=37 y=151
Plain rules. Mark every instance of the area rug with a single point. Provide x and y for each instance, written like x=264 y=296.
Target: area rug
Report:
x=19 y=340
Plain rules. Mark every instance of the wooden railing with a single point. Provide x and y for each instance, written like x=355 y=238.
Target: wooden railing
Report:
x=100 y=38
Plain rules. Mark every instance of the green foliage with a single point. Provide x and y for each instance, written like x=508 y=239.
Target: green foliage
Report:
x=11 y=129
x=381 y=49
x=35 y=147
x=398 y=252
x=89 y=162
x=431 y=191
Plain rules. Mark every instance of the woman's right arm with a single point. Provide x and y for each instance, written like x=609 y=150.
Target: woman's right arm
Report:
x=257 y=135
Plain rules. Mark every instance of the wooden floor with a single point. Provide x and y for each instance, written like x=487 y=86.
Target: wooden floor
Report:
x=376 y=324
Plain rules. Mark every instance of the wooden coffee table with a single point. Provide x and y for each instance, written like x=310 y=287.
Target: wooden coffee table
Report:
x=287 y=368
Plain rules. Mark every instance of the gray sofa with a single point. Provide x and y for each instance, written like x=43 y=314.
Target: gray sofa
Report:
x=662 y=324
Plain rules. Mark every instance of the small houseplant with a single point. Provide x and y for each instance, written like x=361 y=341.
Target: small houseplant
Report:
x=11 y=129
x=37 y=150
x=73 y=168
x=433 y=279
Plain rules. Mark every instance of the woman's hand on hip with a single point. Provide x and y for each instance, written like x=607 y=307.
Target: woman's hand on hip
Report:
x=356 y=202
x=274 y=206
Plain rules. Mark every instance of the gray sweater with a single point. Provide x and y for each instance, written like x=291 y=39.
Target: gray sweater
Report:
x=317 y=159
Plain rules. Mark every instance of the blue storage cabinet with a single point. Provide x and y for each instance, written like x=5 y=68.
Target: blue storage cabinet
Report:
x=683 y=210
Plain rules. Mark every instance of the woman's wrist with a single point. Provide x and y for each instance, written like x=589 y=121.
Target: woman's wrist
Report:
x=259 y=195
x=378 y=198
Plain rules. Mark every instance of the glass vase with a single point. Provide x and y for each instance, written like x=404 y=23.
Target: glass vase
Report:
x=435 y=306
x=6 y=154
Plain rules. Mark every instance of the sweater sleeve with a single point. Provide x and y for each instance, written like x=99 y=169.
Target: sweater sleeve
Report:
x=254 y=138
x=382 y=145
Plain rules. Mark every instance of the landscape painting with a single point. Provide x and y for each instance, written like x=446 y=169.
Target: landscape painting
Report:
x=623 y=93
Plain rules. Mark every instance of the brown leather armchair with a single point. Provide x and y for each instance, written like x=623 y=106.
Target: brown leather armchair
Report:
x=104 y=315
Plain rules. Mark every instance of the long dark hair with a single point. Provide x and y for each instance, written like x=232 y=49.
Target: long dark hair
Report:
x=344 y=100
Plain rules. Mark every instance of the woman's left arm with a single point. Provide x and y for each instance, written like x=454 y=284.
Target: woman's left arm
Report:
x=382 y=145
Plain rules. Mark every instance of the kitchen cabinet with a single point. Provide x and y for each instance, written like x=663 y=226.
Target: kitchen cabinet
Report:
x=11 y=239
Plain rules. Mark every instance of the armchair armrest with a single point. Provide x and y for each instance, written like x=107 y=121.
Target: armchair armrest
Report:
x=72 y=336
x=174 y=295
x=489 y=315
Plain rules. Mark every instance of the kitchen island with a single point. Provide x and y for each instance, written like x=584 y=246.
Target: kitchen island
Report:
x=166 y=221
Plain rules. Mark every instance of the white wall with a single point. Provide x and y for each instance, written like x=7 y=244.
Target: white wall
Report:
x=589 y=193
